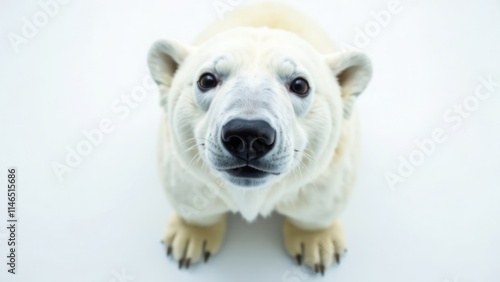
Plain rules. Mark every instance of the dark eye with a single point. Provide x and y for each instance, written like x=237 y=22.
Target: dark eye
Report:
x=207 y=81
x=299 y=86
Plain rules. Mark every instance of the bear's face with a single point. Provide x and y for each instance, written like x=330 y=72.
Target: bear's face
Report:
x=255 y=106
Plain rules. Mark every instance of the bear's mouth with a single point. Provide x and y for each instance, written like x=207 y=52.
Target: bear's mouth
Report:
x=248 y=172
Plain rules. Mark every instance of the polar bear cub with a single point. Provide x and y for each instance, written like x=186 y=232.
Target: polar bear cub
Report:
x=258 y=117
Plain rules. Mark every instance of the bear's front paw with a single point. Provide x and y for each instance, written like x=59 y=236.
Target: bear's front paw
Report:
x=189 y=243
x=316 y=248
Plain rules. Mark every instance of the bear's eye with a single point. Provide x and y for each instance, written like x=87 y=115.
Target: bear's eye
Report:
x=207 y=81
x=299 y=86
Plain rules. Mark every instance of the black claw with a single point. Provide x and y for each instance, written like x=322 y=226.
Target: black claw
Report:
x=316 y=268
x=322 y=270
x=337 y=258
x=169 y=251
x=162 y=242
x=188 y=263
x=181 y=262
x=299 y=259
x=207 y=256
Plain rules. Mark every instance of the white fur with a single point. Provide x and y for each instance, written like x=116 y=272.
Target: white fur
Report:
x=256 y=51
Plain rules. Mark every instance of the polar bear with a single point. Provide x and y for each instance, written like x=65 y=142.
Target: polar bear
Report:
x=258 y=116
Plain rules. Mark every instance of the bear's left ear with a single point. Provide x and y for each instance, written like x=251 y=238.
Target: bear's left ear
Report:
x=353 y=70
x=164 y=59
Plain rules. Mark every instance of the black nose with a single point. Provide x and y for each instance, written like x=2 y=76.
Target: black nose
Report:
x=248 y=139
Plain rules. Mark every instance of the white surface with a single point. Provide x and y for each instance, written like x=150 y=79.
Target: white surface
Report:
x=441 y=224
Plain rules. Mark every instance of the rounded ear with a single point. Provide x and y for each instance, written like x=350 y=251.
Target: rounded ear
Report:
x=164 y=59
x=353 y=70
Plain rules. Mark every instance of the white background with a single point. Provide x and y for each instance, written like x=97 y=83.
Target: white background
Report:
x=108 y=215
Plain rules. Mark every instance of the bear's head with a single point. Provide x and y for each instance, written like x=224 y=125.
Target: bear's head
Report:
x=254 y=106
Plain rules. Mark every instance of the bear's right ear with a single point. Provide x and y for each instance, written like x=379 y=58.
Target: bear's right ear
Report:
x=164 y=59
